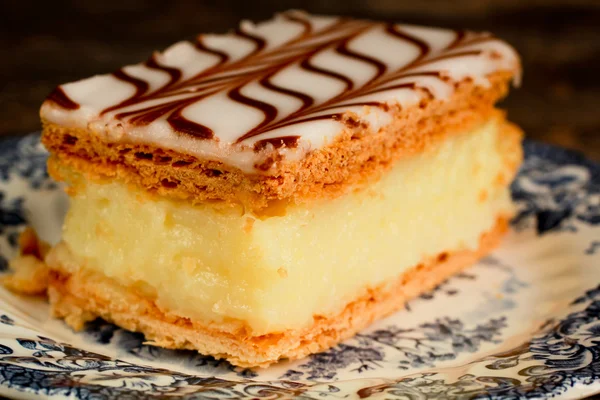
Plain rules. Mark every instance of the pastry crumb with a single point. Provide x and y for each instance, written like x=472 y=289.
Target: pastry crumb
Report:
x=28 y=274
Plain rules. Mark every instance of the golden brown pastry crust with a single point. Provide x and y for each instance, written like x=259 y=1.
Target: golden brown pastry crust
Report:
x=29 y=274
x=356 y=158
x=84 y=295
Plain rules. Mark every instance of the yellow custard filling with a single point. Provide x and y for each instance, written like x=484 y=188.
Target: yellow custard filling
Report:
x=276 y=273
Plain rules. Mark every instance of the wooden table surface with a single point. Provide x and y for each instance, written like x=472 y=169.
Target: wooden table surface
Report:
x=44 y=44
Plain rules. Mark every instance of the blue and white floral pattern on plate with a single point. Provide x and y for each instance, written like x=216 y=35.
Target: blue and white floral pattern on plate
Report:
x=523 y=323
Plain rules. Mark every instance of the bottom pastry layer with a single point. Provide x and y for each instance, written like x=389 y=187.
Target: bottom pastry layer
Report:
x=85 y=294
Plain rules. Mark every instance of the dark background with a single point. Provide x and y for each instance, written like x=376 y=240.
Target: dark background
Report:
x=47 y=43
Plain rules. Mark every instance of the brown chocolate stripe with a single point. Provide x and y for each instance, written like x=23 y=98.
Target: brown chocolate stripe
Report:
x=59 y=97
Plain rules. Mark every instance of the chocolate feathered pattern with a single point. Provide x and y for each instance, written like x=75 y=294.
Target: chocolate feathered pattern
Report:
x=263 y=63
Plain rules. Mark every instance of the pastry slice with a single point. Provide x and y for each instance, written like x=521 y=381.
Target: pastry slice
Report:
x=266 y=193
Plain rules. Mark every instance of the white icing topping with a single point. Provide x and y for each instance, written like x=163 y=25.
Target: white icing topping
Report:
x=229 y=97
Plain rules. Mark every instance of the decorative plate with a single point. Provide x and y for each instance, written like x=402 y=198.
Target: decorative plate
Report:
x=523 y=323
